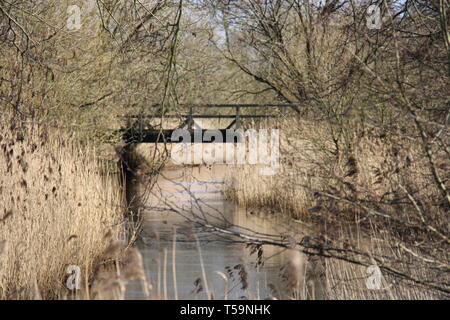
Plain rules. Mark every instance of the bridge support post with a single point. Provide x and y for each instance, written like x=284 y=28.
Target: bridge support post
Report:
x=238 y=120
x=190 y=122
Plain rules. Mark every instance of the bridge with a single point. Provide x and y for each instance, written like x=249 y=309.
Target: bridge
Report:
x=141 y=131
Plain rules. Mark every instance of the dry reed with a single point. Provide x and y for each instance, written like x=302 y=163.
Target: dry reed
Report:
x=57 y=203
x=368 y=167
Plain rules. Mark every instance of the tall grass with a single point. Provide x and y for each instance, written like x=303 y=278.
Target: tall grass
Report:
x=341 y=185
x=59 y=206
x=347 y=281
x=365 y=164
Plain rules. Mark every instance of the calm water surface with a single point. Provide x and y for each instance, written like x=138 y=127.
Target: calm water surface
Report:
x=184 y=196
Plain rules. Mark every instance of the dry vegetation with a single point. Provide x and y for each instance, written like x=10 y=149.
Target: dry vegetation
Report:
x=375 y=168
x=61 y=90
x=368 y=163
x=59 y=207
x=379 y=200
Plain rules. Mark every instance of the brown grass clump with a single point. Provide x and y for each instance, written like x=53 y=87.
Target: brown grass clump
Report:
x=346 y=281
x=367 y=165
x=57 y=203
x=110 y=282
x=371 y=195
x=280 y=192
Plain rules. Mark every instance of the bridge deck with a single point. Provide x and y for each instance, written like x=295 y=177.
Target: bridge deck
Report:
x=141 y=134
x=165 y=136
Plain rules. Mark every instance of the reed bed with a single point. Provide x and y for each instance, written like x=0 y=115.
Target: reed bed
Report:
x=59 y=206
x=331 y=182
x=366 y=163
x=346 y=281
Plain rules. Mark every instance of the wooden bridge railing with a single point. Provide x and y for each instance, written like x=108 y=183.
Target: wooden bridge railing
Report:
x=149 y=135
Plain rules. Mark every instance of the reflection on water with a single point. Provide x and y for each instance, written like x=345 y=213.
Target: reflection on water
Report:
x=183 y=205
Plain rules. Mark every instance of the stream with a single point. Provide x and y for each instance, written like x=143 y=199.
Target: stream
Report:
x=174 y=236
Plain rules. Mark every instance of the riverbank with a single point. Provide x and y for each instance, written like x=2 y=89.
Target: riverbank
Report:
x=191 y=246
x=373 y=198
x=366 y=227
x=60 y=206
